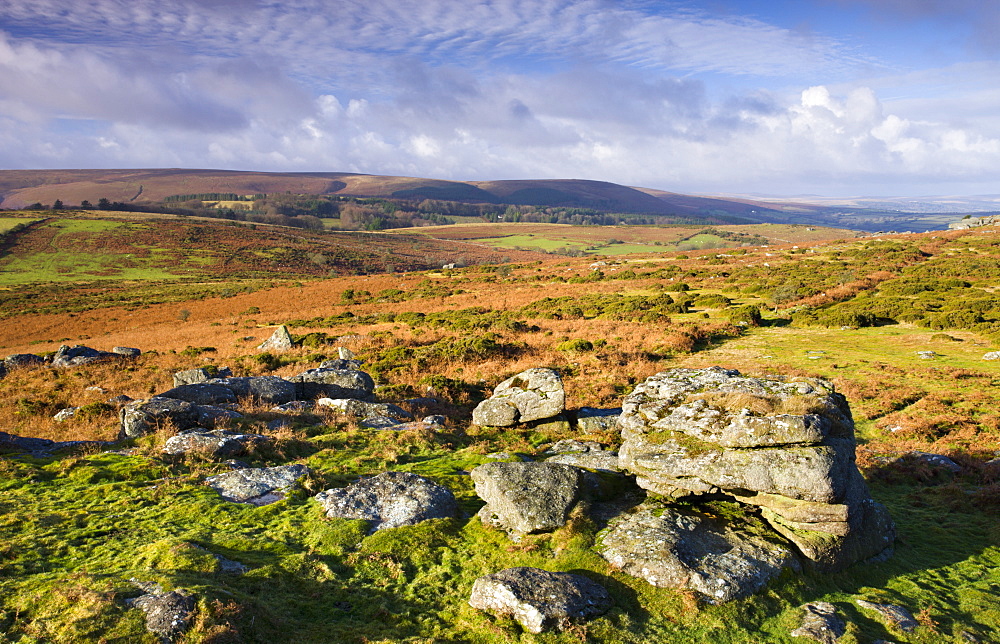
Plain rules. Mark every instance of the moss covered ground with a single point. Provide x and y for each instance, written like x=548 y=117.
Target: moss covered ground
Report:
x=76 y=528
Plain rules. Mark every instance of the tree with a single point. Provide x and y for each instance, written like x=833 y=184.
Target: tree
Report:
x=103 y=204
x=58 y=205
x=86 y=204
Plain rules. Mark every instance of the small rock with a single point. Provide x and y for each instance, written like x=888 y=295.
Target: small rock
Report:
x=65 y=414
x=167 y=614
x=200 y=374
x=539 y=599
x=893 y=615
x=280 y=340
x=129 y=352
x=96 y=389
x=992 y=355
x=389 y=500
x=294 y=407
x=821 y=623
x=534 y=394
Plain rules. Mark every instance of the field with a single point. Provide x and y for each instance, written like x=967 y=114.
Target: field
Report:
x=624 y=240
x=75 y=528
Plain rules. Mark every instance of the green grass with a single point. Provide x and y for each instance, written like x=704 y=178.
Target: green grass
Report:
x=6 y=223
x=84 y=526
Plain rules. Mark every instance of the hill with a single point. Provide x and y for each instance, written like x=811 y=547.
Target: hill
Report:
x=21 y=188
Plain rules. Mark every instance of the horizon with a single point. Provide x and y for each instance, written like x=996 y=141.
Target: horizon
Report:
x=831 y=98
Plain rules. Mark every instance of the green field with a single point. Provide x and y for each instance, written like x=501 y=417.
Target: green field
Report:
x=6 y=223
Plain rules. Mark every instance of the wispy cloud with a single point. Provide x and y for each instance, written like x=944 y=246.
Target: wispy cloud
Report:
x=665 y=95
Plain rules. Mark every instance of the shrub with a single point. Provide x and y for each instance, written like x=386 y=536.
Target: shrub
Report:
x=746 y=315
x=577 y=345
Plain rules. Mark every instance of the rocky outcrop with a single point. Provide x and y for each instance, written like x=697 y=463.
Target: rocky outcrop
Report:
x=531 y=395
x=522 y=498
x=257 y=486
x=785 y=445
x=334 y=383
x=67 y=356
x=722 y=559
x=202 y=393
x=390 y=500
x=540 y=600
x=22 y=361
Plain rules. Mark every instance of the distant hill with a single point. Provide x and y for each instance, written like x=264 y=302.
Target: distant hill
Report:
x=21 y=188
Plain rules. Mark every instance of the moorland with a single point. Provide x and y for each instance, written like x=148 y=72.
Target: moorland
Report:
x=899 y=324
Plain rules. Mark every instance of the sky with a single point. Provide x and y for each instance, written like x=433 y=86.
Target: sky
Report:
x=772 y=97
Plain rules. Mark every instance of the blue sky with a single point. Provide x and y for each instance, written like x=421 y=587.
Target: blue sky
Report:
x=780 y=97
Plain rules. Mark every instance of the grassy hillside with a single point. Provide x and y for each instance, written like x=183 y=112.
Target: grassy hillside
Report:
x=75 y=528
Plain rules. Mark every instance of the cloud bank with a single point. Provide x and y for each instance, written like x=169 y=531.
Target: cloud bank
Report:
x=672 y=98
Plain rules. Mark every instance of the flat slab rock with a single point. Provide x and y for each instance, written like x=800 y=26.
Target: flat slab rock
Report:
x=390 y=500
x=892 y=615
x=215 y=443
x=539 y=599
x=257 y=486
x=670 y=549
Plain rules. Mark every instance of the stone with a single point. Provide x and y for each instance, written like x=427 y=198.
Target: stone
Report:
x=280 y=340
x=591 y=421
x=167 y=614
x=23 y=361
x=720 y=560
x=892 y=615
x=257 y=486
x=361 y=409
x=142 y=417
x=495 y=413
x=214 y=443
x=936 y=460
x=535 y=394
x=334 y=383
x=67 y=356
x=390 y=500
x=539 y=599
x=522 y=498
x=200 y=374
x=202 y=393
x=821 y=623
x=382 y=422
x=269 y=390
x=785 y=445
x=65 y=414
x=128 y=352
x=992 y=355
